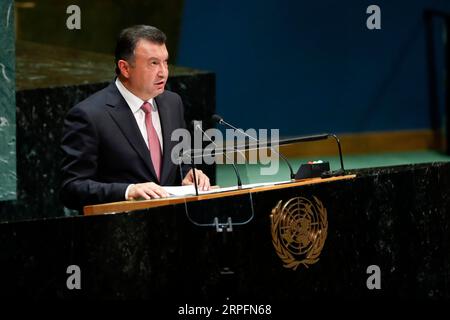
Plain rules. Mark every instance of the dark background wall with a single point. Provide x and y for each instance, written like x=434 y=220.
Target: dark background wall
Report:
x=312 y=66
x=101 y=21
x=299 y=66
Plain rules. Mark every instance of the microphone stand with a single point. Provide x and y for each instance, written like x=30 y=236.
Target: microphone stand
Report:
x=315 y=137
x=239 y=181
x=181 y=157
x=195 y=178
x=221 y=121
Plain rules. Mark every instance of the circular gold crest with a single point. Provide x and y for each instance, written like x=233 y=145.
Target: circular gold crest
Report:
x=299 y=230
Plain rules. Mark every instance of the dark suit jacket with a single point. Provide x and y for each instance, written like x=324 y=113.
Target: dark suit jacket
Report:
x=104 y=151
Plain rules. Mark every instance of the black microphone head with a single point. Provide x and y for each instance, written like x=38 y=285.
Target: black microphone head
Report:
x=217 y=118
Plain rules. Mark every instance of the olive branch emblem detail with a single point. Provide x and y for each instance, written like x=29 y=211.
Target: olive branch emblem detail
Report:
x=299 y=230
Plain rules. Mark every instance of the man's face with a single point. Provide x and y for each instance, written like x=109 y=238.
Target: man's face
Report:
x=146 y=76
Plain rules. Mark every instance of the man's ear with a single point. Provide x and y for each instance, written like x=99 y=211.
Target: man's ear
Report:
x=124 y=68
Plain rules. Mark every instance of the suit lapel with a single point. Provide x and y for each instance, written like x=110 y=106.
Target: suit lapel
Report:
x=125 y=120
x=165 y=117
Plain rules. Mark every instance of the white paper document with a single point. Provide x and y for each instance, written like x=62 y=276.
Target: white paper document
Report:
x=190 y=190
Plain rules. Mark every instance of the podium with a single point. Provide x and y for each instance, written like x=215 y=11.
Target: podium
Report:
x=216 y=246
x=322 y=238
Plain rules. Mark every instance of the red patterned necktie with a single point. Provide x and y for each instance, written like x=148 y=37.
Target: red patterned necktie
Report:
x=153 y=141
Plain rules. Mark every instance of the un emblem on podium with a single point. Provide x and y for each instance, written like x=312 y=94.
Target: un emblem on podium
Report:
x=299 y=231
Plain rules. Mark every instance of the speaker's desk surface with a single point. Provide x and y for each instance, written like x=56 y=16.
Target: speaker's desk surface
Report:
x=125 y=206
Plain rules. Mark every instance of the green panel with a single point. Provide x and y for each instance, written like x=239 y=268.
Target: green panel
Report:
x=251 y=173
x=7 y=102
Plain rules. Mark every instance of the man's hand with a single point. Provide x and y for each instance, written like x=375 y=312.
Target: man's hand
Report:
x=148 y=190
x=202 y=180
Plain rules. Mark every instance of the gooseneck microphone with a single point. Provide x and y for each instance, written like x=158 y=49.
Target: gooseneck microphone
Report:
x=220 y=120
x=315 y=137
x=198 y=127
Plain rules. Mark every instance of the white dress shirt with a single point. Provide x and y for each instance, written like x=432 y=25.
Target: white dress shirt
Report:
x=135 y=103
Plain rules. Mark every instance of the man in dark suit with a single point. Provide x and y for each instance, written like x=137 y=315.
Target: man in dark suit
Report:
x=116 y=143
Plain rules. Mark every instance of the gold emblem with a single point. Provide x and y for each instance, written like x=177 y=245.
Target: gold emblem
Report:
x=299 y=230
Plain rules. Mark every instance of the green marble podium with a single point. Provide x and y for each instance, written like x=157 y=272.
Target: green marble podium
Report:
x=7 y=103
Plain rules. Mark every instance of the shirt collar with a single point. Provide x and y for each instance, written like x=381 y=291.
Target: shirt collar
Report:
x=135 y=103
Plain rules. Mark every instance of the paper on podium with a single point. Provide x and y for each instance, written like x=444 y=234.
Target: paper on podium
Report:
x=189 y=190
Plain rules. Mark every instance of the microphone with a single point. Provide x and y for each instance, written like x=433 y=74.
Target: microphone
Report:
x=194 y=123
x=315 y=137
x=220 y=120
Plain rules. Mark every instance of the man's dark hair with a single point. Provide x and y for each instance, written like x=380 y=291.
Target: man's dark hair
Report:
x=129 y=37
